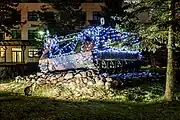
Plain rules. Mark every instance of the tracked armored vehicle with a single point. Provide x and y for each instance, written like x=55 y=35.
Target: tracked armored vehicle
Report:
x=115 y=61
x=90 y=49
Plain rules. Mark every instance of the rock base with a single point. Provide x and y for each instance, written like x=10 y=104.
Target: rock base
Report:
x=74 y=84
x=82 y=84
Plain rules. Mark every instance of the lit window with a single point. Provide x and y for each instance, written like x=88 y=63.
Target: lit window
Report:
x=131 y=1
x=16 y=55
x=33 y=53
x=30 y=54
x=16 y=49
x=2 y=53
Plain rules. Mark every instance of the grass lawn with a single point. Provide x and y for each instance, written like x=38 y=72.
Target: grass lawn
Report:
x=15 y=106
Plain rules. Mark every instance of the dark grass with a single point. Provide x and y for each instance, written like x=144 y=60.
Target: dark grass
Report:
x=16 y=107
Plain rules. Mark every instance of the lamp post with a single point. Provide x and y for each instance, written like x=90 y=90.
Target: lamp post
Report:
x=41 y=33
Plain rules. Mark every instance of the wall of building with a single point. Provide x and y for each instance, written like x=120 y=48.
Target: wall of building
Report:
x=89 y=8
x=12 y=51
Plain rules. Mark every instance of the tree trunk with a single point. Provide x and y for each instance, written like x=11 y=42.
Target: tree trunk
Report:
x=170 y=74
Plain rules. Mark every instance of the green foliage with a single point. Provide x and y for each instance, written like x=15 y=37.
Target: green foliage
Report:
x=143 y=93
x=43 y=106
x=153 y=30
x=118 y=17
x=68 y=17
x=9 y=16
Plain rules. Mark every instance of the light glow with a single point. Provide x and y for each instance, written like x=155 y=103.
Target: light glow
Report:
x=98 y=36
x=41 y=33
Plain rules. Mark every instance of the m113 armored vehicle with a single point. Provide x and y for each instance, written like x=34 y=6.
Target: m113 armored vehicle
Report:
x=91 y=49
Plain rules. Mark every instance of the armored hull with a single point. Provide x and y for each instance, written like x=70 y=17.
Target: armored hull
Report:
x=109 y=62
x=113 y=61
x=94 y=53
x=67 y=62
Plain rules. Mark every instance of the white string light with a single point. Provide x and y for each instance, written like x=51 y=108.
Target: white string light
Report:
x=98 y=35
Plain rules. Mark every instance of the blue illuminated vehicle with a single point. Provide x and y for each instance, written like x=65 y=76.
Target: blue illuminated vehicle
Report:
x=91 y=49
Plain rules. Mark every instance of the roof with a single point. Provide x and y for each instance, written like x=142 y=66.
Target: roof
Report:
x=18 y=43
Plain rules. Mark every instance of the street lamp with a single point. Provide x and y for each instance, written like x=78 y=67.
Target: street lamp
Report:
x=41 y=33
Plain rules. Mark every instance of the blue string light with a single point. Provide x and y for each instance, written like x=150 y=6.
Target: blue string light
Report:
x=98 y=35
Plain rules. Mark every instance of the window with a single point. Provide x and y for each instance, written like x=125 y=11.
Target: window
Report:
x=2 y=53
x=96 y=17
x=131 y=1
x=32 y=16
x=48 y=16
x=1 y=36
x=32 y=34
x=93 y=1
x=178 y=10
x=33 y=53
x=83 y=17
x=16 y=34
x=16 y=55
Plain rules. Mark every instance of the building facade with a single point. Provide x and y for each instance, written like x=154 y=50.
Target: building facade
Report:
x=19 y=53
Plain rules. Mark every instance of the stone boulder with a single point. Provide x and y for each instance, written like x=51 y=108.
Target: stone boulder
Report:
x=68 y=76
